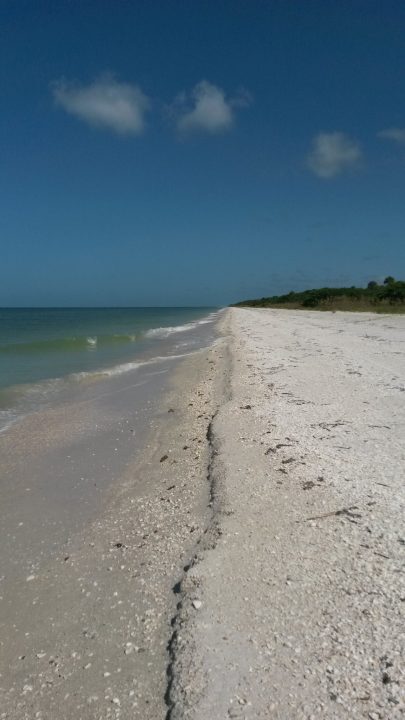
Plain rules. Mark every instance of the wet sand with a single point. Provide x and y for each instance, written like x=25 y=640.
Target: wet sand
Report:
x=103 y=501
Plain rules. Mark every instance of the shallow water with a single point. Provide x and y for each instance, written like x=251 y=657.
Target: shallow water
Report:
x=47 y=352
x=61 y=461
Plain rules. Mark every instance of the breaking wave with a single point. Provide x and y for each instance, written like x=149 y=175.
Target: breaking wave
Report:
x=163 y=332
x=65 y=344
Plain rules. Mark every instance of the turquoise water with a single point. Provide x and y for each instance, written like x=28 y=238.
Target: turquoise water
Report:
x=38 y=345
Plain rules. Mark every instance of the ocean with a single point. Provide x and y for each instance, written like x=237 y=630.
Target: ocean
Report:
x=44 y=351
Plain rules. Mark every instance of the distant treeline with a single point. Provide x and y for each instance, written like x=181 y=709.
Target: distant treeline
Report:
x=388 y=297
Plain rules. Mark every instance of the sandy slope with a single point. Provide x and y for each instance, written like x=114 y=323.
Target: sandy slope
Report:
x=84 y=629
x=296 y=610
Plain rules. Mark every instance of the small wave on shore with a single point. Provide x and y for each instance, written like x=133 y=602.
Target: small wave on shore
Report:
x=47 y=370
x=83 y=342
x=164 y=332
x=21 y=400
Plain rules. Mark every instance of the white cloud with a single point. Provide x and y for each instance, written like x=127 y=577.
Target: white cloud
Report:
x=332 y=153
x=207 y=109
x=394 y=133
x=105 y=103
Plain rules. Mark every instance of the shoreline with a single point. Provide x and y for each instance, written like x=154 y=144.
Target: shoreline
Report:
x=35 y=391
x=98 y=610
x=246 y=564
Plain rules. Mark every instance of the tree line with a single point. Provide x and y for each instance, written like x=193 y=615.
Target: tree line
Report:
x=389 y=295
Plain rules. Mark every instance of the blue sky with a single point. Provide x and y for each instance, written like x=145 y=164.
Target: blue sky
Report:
x=192 y=153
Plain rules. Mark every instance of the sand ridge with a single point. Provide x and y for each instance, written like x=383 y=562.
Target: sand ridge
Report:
x=297 y=612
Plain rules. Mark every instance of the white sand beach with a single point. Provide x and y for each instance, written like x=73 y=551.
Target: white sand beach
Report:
x=295 y=608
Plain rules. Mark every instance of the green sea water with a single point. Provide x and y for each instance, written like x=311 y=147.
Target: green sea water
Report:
x=43 y=344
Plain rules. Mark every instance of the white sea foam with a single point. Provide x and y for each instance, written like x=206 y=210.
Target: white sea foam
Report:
x=117 y=369
x=124 y=367
x=7 y=419
x=163 y=332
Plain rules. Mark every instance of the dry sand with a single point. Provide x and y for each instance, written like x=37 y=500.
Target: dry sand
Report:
x=294 y=607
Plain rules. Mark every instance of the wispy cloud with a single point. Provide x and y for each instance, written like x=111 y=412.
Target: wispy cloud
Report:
x=332 y=154
x=207 y=109
x=394 y=133
x=105 y=103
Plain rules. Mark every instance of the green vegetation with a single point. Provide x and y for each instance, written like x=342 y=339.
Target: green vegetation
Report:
x=386 y=298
